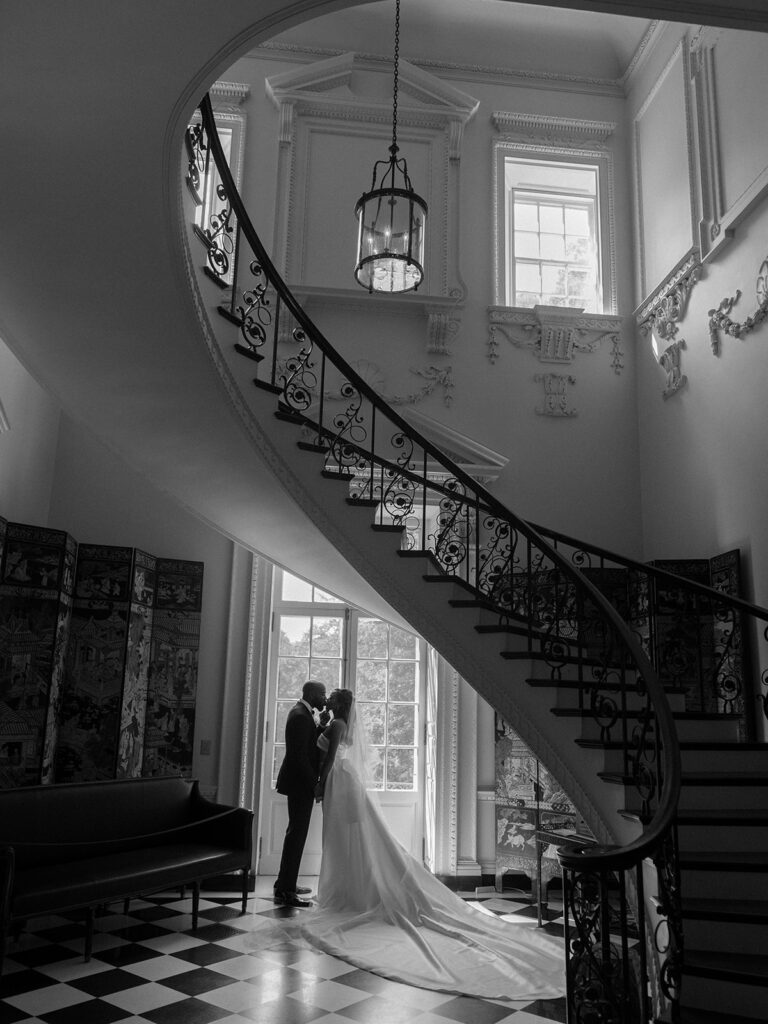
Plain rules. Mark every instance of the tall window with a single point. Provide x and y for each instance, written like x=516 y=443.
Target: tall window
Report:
x=552 y=234
x=316 y=636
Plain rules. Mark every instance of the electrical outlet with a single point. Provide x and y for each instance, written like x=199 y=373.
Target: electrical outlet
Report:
x=205 y=748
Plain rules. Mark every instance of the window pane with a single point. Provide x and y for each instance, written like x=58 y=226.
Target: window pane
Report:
x=294 y=634
x=526 y=245
x=326 y=636
x=402 y=644
x=402 y=681
x=580 y=283
x=377 y=769
x=321 y=597
x=577 y=220
x=295 y=589
x=277 y=760
x=552 y=247
x=401 y=769
x=528 y=298
x=527 y=277
x=577 y=249
x=374 y=716
x=372 y=680
x=283 y=707
x=551 y=218
x=327 y=671
x=526 y=217
x=372 y=635
x=401 y=726
x=292 y=673
x=553 y=280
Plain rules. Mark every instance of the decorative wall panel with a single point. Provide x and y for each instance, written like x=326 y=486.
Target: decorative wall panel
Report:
x=528 y=798
x=36 y=582
x=172 y=682
x=130 y=752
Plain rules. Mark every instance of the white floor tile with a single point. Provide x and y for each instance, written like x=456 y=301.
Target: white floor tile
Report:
x=144 y=997
x=328 y=995
x=160 y=967
x=43 y=1000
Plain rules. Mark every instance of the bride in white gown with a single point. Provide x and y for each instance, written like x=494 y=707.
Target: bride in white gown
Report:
x=380 y=909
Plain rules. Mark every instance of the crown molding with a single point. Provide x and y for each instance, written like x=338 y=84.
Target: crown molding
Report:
x=229 y=93
x=550 y=128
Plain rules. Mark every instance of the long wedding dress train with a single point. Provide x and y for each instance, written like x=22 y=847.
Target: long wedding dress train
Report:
x=380 y=909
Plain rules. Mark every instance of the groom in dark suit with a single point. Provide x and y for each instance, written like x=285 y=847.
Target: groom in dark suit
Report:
x=296 y=779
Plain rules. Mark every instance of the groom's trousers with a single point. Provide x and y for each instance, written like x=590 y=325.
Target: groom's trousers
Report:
x=299 y=814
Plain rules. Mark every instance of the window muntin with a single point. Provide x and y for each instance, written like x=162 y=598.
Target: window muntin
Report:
x=552 y=234
x=319 y=637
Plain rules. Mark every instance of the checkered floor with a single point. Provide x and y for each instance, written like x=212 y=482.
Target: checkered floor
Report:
x=149 y=968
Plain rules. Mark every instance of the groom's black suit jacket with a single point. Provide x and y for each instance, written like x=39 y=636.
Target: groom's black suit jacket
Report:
x=299 y=770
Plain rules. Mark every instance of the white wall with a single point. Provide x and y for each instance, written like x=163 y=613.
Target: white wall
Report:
x=28 y=445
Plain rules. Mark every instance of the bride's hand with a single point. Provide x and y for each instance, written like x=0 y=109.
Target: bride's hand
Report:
x=318 y=793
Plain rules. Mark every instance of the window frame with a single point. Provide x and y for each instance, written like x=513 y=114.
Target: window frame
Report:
x=553 y=153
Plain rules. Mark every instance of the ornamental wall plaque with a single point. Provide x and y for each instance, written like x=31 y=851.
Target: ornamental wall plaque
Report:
x=720 y=318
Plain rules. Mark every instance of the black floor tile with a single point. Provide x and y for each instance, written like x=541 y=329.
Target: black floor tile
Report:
x=106 y=982
x=130 y=953
x=155 y=913
x=220 y=913
x=467 y=1010
x=193 y=982
x=215 y=932
x=205 y=955
x=550 y=1009
x=187 y=1011
x=140 y=932
x=39 y=955
x=92 y=1012
x=10 y=1015
x=23 y=981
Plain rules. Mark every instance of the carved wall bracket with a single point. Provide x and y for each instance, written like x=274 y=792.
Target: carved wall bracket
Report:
x=720 y=318
x=553 y=333
x=664 y=310
x=555 y=394
x=669 y=361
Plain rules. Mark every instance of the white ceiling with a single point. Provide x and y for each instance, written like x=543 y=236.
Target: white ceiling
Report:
x=496 y=34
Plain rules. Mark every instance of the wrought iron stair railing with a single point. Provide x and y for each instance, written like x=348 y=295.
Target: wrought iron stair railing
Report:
x=557 y=614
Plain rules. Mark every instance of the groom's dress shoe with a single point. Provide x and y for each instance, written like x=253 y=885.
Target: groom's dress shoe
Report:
x=302 y=890
x=291 y=899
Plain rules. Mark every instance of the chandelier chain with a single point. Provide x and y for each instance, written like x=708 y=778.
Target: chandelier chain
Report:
x=396 y=76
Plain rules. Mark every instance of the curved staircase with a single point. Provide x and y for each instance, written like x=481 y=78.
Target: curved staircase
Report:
x=563 y=639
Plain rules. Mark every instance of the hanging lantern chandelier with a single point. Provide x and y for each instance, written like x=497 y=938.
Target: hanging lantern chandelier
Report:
x=391 y=217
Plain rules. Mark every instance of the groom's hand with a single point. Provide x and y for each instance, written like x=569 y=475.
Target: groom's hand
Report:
x=318 y=793
x=325 y=717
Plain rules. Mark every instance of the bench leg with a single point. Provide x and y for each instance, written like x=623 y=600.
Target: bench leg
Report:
x=195 y=904
x=245 y=890
x=88 y=950
x=126 y=905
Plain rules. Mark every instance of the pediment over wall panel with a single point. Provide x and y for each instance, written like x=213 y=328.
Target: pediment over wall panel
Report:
x=335 y=122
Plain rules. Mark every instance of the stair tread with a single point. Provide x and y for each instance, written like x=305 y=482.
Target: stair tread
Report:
x=721 y=745
x=727 y=909
x=724 y=778
x=715 y=815
x=691 y=1015
x=724 y=859
x=720 y=964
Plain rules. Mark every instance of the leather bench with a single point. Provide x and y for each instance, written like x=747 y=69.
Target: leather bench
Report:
x=82 y=845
